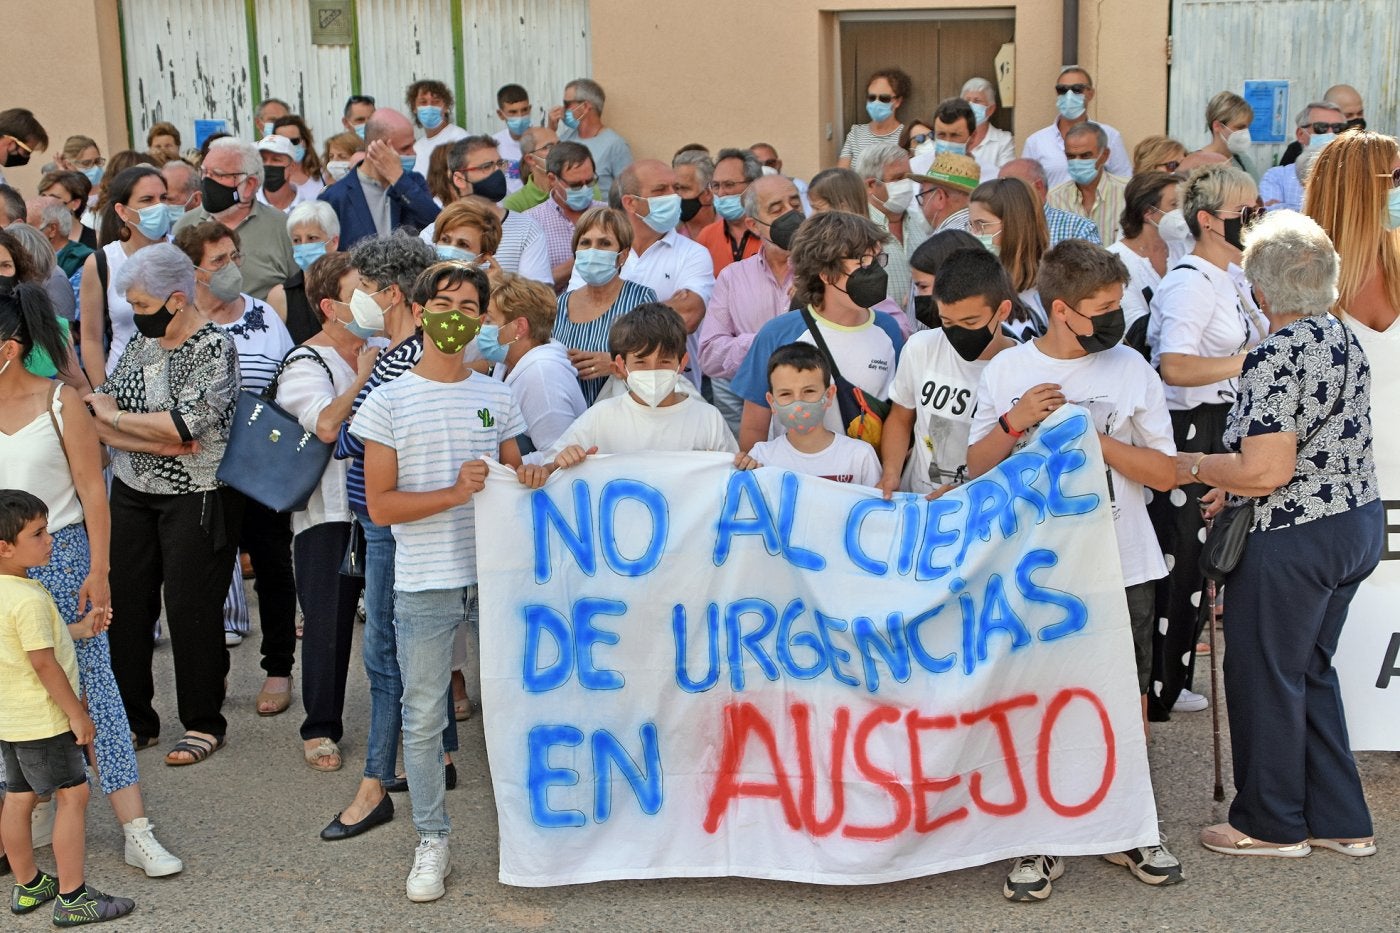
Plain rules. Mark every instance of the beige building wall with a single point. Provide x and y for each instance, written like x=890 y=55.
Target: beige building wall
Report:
x=732 y=72
x=65 y=65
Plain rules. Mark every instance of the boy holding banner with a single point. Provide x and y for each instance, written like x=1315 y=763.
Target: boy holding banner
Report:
x=1081 y=360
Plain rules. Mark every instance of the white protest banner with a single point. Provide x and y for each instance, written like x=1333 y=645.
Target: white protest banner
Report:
x=689 y=670
x=1368 y=654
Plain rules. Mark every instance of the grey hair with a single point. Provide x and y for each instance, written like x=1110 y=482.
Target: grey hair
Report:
x=53 y=211
x=1079 y=68
x=873 y=160
x=247 y=154
x=1302 y=119
x=979 y=85
x=1205 y=189
x=752 y=167
x=1289 y=258
x=191 y=182
x=396 y=258
x=527 y=140
x=38 y=247
x=704 y=166
x=159 y=270
x=749 y=197
x=314 y=212
x=589 y=90
x=1088 y=126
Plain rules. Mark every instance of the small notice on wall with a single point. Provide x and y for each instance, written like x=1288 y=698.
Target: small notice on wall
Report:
x=331 y=22
x=1269 y=100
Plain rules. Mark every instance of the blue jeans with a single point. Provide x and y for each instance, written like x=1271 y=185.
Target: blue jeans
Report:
x=426 y=622
x=381 y=657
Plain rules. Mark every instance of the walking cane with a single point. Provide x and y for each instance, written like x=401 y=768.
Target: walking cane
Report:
x=1214 y=693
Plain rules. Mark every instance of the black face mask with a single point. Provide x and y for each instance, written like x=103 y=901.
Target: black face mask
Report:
x=16 y=158
x=274 y=177
x=7 y=283
x=689 y=208
x=868 y=286
x=1108 y=331
x=218 y=198
x=1356 y=123
x=1234 y=227
x=155 y=324
x=782 y=230
x=492 y=187
x=926 y=310
x=969 y=342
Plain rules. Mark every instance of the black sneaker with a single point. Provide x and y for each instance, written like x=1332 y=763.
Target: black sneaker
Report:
x=1030 y=877
x=1149 y=864
x=90 y=906
x=25 y=898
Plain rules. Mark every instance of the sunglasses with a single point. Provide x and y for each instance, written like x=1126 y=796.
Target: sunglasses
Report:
x=882 y=98
x=1248 y=215
x=1327 y=127
x=1358 y=123
x=920 y=138
x=1061 y=89
x=1170 y=166
x=359 y=99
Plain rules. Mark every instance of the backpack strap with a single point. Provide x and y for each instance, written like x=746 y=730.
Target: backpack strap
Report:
x=53 y=420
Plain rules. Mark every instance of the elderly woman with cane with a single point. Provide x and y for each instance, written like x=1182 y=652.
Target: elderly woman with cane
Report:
x=1299 y=438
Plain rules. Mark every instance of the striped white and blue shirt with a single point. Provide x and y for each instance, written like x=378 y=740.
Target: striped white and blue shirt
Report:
x=593 y=335
x=435 y=427
x=262 y=340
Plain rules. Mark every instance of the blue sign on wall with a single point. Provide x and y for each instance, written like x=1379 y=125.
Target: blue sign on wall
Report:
x=1270 y=102
x=203 y=129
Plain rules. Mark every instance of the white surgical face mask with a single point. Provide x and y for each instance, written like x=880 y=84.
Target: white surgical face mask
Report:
x=900 y=194
x=1172 y=227
x=338 y=169
x=1239 y=141
x=366 y=311
x=653 y=386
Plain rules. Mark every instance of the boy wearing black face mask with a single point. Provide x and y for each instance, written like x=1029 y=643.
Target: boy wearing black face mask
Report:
x=935 y=385
x=1081 y=360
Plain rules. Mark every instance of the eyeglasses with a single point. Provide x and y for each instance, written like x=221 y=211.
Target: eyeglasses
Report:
x=1169 y=166
x=581 y=185
x=984 y=226
x=1394 y=178
x=295 y=141
x=728 y=187
x=359 y=99
x=545 y=149
x=1061 y=89
x=1328 y=127
x=919 y=139
x=90 y=163
x=1248 y=214
x=878 y=259
x=488 y=166
x=225 y=178
x=215 y=265
x=573 y=103
x=1357 y=123
x=771 y=163
x=882 y=98
x=922 y=195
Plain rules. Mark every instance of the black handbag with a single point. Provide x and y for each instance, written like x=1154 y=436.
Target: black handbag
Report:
x=353 y=563
x=270 y=458
x=1224 y=544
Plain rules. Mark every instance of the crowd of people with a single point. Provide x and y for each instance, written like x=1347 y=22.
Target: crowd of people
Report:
x=422 y=298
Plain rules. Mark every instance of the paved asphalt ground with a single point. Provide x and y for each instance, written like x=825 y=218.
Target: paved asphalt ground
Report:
x=246 y=823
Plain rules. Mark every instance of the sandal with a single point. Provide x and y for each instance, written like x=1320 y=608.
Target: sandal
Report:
x=325 y=748
x=280 y=702
x=197 y=747
x=1227 y=840
x=140 y=743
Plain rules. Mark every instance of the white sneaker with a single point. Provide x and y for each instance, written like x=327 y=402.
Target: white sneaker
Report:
x=41 y=823
x=1189 y=702
x=232 y=639
x=431 y=865
x=145 y=853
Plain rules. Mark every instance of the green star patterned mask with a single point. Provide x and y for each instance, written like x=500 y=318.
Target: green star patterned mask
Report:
x=450 y=331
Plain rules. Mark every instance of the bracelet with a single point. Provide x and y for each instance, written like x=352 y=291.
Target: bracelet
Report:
x=1006 y=426
x=115 y=419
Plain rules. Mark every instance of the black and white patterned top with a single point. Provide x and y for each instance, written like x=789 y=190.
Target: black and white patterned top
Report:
x=197 y=382
x=1291 y=382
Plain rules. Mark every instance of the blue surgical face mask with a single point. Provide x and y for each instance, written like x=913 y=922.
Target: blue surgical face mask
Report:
x=153 y=221
x=1070 y=105
x=596 y=266
x=429 y=117
x=408 y=161
x=663 y=213
x=360 y=130
x=729 y=206
x=93 y=173
x=488 y=343
x=1392 y=214
x=518 y=125
x=989 y=242
x=1318 y=140
x=878 y=110
x=570 y=120
x=947 y=145
x=176 y=211
x=306 y=253
x=979 y=111
x=453 y=253
x=1083 y=171
x=298 y=153
x=578 y=199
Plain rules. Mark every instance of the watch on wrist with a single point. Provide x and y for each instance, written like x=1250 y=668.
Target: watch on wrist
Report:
x=1196 y=467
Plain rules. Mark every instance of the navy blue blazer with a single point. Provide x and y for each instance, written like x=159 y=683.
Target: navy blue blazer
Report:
x=410 y=205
